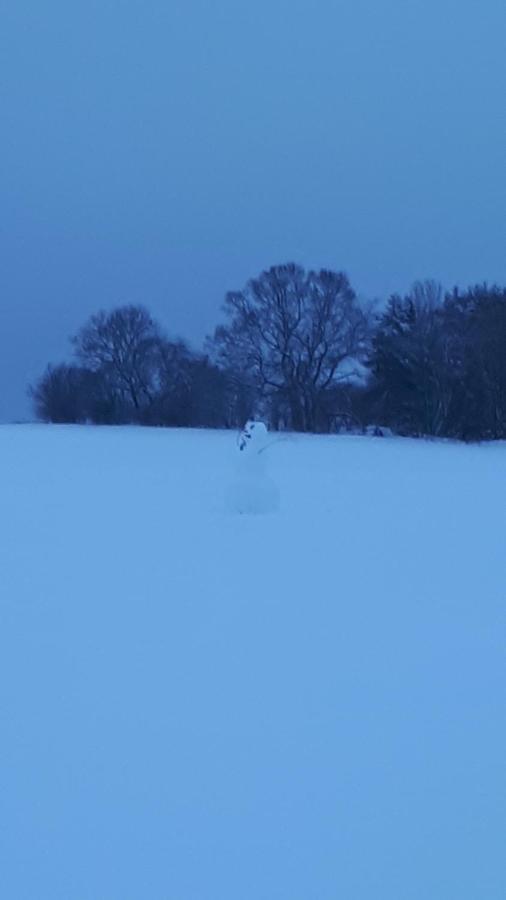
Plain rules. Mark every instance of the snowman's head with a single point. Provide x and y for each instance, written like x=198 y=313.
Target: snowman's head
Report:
x=253 y=436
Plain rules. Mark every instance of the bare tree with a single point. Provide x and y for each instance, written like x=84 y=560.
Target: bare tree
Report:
x=66 y=393
x=427 y=295
x=413 y=364
x=475 y=321
x=298 y=333
x=122 y=346
x=172 y=379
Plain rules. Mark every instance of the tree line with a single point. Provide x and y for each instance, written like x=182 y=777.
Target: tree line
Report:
x=297 y=348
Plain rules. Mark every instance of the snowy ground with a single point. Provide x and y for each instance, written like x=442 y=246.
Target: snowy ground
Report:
x=197 y=705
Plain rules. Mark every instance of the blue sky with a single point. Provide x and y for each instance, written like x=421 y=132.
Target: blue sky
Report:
x=163 y=151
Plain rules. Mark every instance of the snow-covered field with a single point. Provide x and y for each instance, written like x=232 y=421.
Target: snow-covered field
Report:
x=200 y=705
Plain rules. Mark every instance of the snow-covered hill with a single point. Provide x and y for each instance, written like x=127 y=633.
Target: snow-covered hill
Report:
x=200 y=705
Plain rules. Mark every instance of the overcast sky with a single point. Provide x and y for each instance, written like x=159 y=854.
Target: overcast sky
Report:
x=163 y=151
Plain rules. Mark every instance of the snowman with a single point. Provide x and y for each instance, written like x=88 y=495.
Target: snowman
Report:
x=253 y=490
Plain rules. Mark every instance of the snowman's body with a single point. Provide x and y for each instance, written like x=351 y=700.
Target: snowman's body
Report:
x=253 y=490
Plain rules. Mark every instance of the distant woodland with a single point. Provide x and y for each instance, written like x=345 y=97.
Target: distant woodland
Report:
x=298 y=349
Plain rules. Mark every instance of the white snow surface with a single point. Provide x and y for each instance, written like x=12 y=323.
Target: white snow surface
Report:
x=201 y=705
